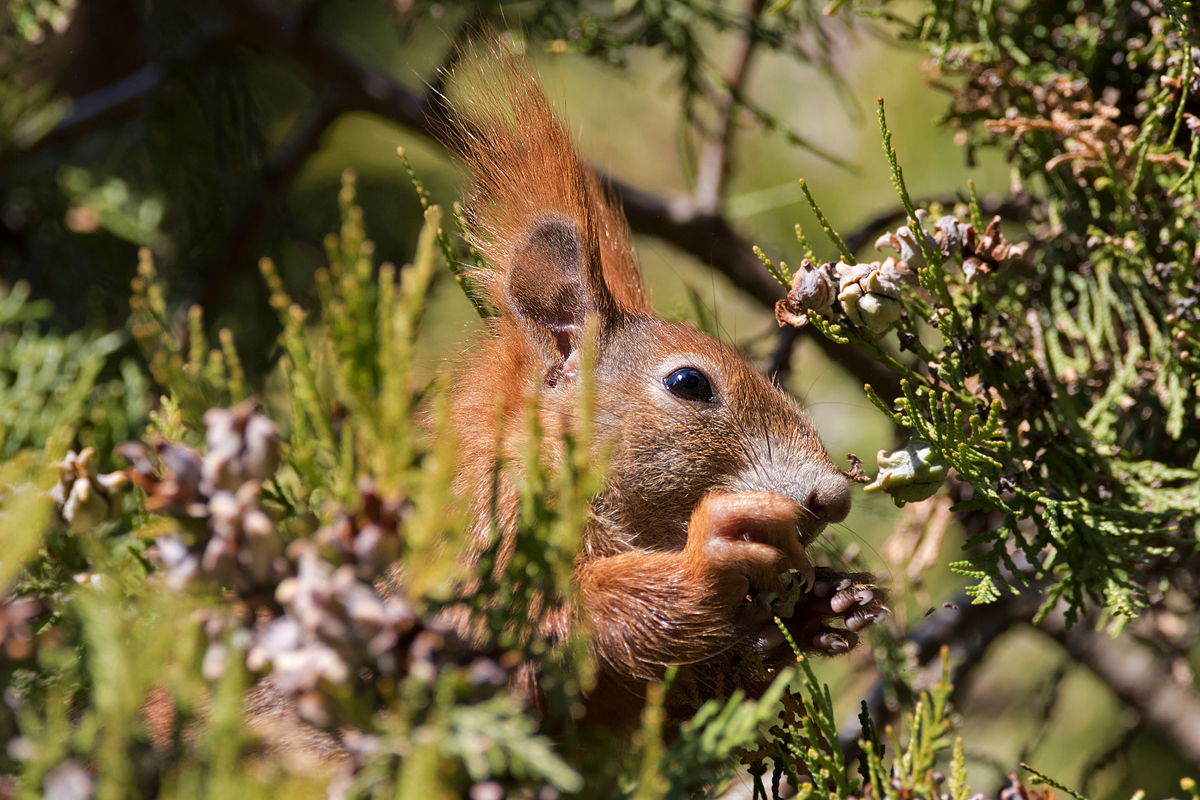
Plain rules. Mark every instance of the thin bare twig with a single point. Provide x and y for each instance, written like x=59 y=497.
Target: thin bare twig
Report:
x=716 y=157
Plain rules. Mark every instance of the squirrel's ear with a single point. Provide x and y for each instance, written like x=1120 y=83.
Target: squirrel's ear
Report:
x=555 y=283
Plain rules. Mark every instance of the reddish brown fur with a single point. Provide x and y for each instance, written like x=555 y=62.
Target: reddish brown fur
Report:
x=524 y=164
x=705 y=502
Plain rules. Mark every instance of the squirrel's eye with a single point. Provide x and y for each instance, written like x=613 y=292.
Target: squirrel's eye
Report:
x=689 y=383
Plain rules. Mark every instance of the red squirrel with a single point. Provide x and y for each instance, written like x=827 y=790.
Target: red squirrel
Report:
x=717 y=481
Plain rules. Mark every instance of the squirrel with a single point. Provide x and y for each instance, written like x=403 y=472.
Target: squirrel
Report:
x=717 y=481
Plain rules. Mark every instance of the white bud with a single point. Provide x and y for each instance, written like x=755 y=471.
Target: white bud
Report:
x=870 y=294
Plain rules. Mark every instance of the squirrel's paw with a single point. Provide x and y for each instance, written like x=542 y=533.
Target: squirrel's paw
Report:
x=747 y=548
x=827 y=619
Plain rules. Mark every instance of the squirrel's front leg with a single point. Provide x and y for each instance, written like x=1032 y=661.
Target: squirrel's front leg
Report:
x=649 y=610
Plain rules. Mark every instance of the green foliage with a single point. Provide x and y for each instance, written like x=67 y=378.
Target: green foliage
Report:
x=1059 y=383
x=927 y=736
x=700 y=754
x=811 y=740
x=1062 y=385
x=52 y=388
x=145 y=647
x=196 y=379
x=439 y=716
x=112 y=207
x=509 y=745
x=363 y=362
x=33 y=18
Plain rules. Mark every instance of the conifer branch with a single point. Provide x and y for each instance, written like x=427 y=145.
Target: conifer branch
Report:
x=968 y=628
x=282 y=167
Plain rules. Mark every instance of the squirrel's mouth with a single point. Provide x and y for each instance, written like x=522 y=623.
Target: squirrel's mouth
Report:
x=794 y=584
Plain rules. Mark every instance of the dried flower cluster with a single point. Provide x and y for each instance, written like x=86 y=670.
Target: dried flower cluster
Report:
x=70 y=780
x=369 y=539
x=335 y=624
x=317 y=615
x=83 y=498
x=1087 y=129
x=871 y=295
x=234 y=541
x=812 y=290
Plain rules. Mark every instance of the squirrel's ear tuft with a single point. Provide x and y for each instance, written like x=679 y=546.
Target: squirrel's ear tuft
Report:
x=556 y=246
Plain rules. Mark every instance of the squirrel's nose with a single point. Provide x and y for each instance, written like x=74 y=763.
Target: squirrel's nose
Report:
x=829 y=499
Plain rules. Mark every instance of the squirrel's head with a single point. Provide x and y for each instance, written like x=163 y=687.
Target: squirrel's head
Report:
x=679 y=414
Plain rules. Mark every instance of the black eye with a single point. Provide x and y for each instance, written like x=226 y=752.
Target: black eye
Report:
x=689 y=383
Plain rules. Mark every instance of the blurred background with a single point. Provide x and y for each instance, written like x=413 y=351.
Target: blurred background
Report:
x=216 y=133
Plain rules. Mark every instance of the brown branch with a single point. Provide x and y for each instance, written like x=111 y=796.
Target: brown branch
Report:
x=259 y=25
x=1166 y=706
x=707 y=236
x=968 y=629
x=301 y=142
x=262 y=26
x=353 y=86
x=1130 y=671
x=779 y=367
x=107 y=102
